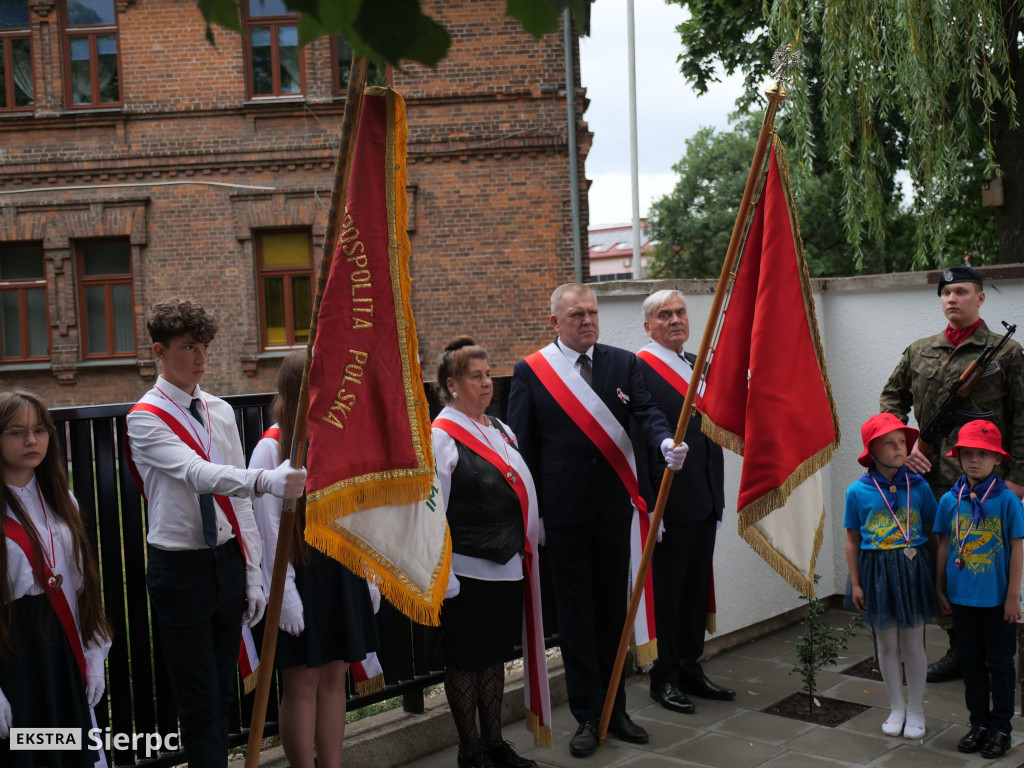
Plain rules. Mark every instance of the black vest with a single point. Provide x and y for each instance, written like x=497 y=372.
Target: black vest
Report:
x=484 y=515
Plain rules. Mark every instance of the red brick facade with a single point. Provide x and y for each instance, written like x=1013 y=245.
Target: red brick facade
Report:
x=187 y=170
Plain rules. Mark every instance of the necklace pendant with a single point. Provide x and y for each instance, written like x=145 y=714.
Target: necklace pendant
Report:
x=959 y=563
x=910 y=552
x=892 y=489
x=55 y=581
x=511 y=475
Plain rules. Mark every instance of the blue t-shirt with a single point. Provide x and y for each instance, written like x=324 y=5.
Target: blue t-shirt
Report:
x=983 y=580
x=867 y=512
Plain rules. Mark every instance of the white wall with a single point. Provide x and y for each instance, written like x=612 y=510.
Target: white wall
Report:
x=865 y=324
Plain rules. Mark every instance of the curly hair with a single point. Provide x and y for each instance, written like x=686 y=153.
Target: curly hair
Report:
x=170 y=319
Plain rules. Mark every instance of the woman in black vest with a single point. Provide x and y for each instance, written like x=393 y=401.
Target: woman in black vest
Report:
x=478 y=466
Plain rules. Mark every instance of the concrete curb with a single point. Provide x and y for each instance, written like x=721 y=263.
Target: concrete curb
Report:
x=396 y=738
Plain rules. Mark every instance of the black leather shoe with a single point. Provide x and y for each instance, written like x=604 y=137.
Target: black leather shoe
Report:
x=584 y=741
x=995 y=745
x=946 y=668
x=626 y=729
x=701 y=686
x=505 y=755
x=670 y=697
x=478 y=759
x=974 y=740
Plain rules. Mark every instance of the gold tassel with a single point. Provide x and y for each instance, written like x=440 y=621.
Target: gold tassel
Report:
x=374 y=684
x=541 y=733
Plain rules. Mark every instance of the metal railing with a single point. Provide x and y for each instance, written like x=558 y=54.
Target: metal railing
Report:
x=138 y=696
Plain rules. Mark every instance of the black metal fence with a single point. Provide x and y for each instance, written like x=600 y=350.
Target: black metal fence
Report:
x=138 y=697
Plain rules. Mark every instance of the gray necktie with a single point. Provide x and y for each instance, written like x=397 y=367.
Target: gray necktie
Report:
x=206 y=509
x=586 y=370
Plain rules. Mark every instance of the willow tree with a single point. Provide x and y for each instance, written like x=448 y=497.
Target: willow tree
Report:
x=948 y=72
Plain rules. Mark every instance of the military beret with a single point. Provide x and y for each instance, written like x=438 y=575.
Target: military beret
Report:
x=960 y=275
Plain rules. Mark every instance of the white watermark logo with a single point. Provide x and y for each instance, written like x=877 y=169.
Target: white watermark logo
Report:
x=150 y=744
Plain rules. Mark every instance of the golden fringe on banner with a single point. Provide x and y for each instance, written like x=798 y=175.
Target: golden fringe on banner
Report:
x=800 y=582
x=711 y=623
x=646 y=653
x=249 y=683
x=374 y=684
x=541 y=733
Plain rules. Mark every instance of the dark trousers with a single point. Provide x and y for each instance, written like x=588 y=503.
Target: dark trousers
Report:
x=682 y=571
x=590 y=577
x=198 y=597
x=987 y=647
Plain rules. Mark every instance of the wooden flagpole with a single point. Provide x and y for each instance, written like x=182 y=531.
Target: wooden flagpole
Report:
x=339 y=194
x=776 y=95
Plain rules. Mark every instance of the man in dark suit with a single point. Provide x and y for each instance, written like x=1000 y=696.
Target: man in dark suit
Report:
x=683 y=557
x=557 y=396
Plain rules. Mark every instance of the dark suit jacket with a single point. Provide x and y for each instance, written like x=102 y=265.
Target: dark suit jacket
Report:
x=575 y=485
x=698 y=489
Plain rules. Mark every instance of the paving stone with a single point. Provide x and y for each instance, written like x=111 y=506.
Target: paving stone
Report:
x=770 y=729
x=841 y=745
x=722 y=751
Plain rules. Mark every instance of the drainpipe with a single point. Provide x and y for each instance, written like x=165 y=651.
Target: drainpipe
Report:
x=574 y=175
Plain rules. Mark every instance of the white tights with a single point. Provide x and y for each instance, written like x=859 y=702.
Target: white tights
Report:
x=893 y=640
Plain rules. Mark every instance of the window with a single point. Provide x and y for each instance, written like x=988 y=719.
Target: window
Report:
x=15 y=56
x=272 y=49
x=24 y=328
x=285 y=262
x=105 y=298
x=342 y=53
x=90 y=34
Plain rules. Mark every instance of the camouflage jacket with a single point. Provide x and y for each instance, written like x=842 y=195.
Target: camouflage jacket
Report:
x=926 y=372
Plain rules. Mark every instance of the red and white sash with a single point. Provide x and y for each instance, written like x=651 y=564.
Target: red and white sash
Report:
x=535 y=671
x=57 y=598
x=588 y=412
x=184 y=427
x=676 y=372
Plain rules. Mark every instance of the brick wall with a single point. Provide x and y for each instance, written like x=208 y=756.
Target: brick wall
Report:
x=187 y=169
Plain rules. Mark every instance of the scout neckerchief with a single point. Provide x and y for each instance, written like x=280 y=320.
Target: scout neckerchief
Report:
x=588 y=411
x=977 y=512
x=676 y=373
x=52 y=588
x=892 y=503
x=535 y=673
x=195 y=437
x=366 y=674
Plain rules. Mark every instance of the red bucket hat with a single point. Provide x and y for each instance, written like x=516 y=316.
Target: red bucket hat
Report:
x=882 y=424
x=980 y=434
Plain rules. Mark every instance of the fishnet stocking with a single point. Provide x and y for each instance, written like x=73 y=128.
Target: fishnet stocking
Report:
x=492 y=686
x=461 y=690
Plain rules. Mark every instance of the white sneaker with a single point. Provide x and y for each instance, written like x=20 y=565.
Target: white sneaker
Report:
x=893 y=725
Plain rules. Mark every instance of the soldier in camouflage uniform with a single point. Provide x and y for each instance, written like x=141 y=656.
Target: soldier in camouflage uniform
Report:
x=925 y=374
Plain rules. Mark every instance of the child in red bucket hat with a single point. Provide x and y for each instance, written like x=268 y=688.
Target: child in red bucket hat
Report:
x=980 y=525
x=888 y=519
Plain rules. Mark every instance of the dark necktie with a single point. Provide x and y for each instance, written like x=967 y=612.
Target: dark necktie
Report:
x=205 y=499
x=586 y=370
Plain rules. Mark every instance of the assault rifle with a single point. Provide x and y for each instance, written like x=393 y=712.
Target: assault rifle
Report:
x=949 y=413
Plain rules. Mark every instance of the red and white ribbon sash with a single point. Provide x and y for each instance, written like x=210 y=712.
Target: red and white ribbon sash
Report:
x=669 y=366
x=588 y=412
x=535 y=672
x=158 y=405
x=57 y=598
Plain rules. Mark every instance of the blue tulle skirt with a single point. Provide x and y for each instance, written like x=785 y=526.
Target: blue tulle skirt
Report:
x=896 y=588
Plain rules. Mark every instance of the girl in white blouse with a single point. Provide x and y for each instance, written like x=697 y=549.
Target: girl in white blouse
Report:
x=54 y=637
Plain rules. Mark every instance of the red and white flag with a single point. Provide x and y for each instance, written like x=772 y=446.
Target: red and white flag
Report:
x=767 y=395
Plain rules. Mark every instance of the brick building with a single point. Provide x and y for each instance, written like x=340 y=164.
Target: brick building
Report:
x=139 y=162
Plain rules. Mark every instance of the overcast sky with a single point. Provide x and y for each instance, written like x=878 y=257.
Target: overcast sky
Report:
x=668 y=111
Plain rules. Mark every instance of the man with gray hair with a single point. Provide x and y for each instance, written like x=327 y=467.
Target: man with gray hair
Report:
x=683 y=557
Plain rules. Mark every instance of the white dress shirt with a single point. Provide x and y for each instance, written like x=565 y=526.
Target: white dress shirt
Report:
x=60 y=556
x=173 y=474
x=574 y=357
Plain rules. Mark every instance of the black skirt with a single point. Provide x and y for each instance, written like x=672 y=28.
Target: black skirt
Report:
x=44 y=686
x=482 y=625
x=338 y=614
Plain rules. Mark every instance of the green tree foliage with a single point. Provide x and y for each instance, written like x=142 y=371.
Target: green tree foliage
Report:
x=929 y=87
x=392 y=31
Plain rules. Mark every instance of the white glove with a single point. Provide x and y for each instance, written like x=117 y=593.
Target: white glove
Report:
x=255 y=605
x=674 y=454
x=661 y=531
x=5 y=716
x=284 y=481
x=94 y=687
x=374 y=596
x=293 y=620
x=453 y=586
x=542 y=534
